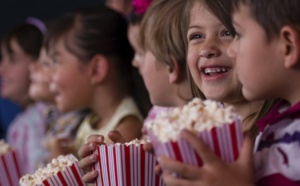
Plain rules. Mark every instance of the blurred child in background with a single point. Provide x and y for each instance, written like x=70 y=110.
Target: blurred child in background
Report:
x=20 y=48
x=58 y=125
x=91 y=56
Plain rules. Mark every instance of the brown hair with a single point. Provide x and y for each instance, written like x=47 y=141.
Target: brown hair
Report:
x=160 y=31
x=272 y=15
x=28 y=37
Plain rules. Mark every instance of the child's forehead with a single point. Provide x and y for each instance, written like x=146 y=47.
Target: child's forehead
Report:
x=198 y=7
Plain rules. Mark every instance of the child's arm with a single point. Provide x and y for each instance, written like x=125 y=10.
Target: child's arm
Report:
x=214 y=171
x=130 y=128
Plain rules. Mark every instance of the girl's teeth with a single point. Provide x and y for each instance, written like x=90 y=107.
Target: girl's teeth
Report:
x=215 y=70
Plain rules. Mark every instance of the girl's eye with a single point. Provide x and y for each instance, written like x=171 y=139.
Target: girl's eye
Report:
x=46 y=63
x=226 y=33
x=55 y=62
x=195 y=36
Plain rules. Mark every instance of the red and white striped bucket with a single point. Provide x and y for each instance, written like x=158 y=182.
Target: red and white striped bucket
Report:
x=224 y=141
x=10 y=168
x=122 y=165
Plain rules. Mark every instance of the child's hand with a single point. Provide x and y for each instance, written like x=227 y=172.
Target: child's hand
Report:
x=214 y=171
x=87 y=159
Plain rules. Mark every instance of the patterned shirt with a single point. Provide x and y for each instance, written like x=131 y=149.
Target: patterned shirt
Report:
x=25 y=134
x=277 y=148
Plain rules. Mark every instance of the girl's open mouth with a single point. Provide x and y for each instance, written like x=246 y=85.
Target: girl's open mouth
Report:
x=211 y=71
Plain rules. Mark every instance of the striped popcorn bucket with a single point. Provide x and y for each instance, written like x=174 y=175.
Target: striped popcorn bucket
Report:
x=224 y=141
x=122 y=165
x=70 y=176
x=10 y=168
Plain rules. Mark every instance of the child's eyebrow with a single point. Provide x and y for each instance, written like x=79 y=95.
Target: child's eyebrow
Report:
x=194 y=26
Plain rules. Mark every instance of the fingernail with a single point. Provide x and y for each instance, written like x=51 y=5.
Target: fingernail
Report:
x=100 y=139
x=92 y=146
x=93 y=157
x=93 y=173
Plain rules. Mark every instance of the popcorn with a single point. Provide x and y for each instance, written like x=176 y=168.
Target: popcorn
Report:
x=136 y=142
x=196 y=116
x=55 y=167
x=4 y=148
x=126 y=164
x=219 y=127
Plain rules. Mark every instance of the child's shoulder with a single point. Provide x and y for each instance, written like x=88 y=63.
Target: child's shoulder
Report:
x=277 y=151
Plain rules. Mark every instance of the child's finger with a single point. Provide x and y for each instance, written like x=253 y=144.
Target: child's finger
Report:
x=181 y=169
x=87 y=162
x=157 y=170
x=206 y=154
x=86 y=149
x=116 y=137
x=149 y=148
x=90 y=176
x=98 y=139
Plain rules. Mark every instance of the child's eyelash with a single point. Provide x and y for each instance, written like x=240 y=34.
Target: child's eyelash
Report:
x=195 y=36
x=226 y=33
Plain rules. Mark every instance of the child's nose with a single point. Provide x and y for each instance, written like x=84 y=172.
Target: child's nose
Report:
x=210 y=52
x=209 y=49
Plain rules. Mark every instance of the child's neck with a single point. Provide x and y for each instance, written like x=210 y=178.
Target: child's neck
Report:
x=105 y=107
x=24 y=102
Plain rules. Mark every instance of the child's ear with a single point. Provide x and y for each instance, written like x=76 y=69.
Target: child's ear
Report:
x=99 y=67
x=174 y=71
x=290 y=37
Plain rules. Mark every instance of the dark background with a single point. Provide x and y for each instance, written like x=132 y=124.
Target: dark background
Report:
x=13 y=12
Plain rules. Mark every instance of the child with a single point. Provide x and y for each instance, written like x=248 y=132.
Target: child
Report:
x=91 y=56
x=161 y=66
x=20 y=48
x=58 y=125
x=272 y=45
x=270 y=41
x=212 y=70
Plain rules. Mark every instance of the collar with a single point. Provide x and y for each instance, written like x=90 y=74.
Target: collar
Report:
x=276 y=114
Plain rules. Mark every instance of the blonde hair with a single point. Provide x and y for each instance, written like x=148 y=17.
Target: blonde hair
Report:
x=160 y=32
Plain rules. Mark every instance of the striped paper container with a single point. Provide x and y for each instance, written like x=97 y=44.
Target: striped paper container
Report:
x=225 y=142
x=10 y=168
x=71 y=176
x=122 y=165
